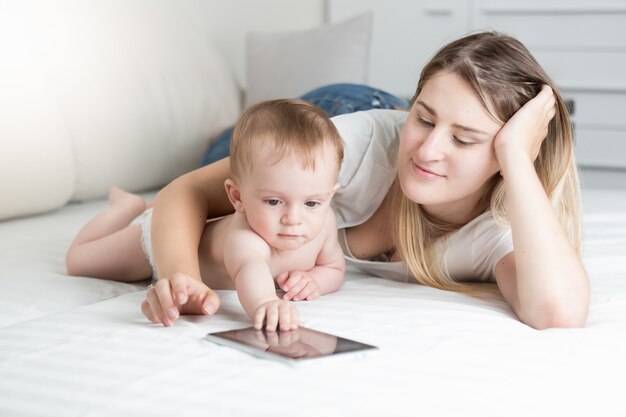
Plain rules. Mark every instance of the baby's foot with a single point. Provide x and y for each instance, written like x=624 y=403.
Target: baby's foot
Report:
x=124 y=200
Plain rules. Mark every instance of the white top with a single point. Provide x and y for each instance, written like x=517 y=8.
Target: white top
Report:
x=367 y=172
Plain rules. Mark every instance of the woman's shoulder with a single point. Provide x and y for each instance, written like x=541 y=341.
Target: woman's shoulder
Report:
x=379 y=117
x=359 y=128
x=369 y=165
x=474 y=250
x=370 y=139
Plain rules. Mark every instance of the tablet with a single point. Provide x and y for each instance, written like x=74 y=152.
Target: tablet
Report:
x=292 y=347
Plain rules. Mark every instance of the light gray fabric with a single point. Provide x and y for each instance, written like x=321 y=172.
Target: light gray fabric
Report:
x=369 y=165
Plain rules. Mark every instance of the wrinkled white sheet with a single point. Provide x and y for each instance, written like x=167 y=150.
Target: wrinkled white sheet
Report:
x=81 y=347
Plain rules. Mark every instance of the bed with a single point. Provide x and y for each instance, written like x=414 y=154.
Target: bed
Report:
x=81 y=347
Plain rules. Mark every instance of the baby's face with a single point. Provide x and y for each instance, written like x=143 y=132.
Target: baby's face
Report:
x=285 y=203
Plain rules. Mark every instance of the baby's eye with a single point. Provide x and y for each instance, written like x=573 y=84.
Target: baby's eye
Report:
x=272 y=202
x=312 y=204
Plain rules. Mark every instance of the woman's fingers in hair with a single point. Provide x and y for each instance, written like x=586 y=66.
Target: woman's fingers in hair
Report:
x=526 y=130
x=549 y=100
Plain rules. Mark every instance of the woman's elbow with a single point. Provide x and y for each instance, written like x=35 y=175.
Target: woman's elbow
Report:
x=557 y=315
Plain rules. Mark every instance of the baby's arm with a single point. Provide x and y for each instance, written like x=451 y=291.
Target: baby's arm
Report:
x=325 y=277
x=246 y=258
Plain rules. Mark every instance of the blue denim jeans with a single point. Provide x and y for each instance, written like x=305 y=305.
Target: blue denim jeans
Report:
x=334 y=99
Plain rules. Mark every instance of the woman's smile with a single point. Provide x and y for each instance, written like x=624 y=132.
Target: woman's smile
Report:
x=425 y=173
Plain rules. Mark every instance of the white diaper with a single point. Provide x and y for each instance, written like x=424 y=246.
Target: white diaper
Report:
x=145 y=221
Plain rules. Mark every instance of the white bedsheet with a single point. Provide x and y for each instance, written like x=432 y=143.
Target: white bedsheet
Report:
x=81 y=347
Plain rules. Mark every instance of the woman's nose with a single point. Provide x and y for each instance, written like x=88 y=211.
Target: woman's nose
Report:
x=432 y=148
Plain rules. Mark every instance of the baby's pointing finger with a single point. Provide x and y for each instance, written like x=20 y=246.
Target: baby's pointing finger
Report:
x=259 y=316
x=295 y=319
x=285 y=320
x=271 y=318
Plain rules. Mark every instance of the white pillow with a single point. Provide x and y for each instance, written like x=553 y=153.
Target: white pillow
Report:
x=288 y=64
x=104 y=93
x=143 y=89
x=36 y=158
x=36 y=154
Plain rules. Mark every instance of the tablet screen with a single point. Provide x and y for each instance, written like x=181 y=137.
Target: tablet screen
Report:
x=294 y=345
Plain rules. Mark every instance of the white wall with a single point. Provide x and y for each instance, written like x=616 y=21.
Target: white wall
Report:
x=228 y=21
x=581 y=44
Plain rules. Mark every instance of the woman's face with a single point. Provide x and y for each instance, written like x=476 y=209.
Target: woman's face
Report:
x=446 y=149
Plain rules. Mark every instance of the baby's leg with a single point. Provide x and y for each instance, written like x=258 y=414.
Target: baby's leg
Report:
x=109 y=246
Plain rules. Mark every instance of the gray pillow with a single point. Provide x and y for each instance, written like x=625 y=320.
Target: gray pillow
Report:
x=288 y=64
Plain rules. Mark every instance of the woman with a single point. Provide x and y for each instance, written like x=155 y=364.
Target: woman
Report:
x=486 y=189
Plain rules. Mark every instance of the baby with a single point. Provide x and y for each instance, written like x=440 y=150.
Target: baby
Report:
x=285 y=158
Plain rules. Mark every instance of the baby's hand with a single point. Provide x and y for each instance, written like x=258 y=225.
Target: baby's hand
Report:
x=181 y=294
x=298 y=286
x=277 y=314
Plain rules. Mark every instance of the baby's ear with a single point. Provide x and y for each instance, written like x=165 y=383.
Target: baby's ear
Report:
x=234 y=195
x=335 y=188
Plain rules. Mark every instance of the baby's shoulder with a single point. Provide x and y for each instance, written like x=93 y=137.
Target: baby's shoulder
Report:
x=329 y=231
x=239 y=236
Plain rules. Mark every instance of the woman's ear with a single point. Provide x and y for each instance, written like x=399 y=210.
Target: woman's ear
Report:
x=234 y=195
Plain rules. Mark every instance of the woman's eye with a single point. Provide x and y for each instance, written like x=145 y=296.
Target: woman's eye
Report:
x=461 y=142
x=272 y=202
x=312 y=204
x=426 y=123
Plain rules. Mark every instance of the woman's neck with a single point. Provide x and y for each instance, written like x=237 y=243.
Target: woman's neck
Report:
x=464 y=210
x=375 y=235
x=456 y=213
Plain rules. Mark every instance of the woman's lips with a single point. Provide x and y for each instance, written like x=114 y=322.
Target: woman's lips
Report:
x=425 y=173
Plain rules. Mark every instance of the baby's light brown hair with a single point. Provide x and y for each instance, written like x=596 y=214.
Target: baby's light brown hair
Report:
x=289 y=127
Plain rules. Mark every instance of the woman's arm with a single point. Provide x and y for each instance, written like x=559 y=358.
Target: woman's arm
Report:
x=179 y=218
x=544 y=280
x=180 y=213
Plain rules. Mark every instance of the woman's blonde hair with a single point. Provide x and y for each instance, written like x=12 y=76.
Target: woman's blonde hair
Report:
x=504 y=76
x=288 y=127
